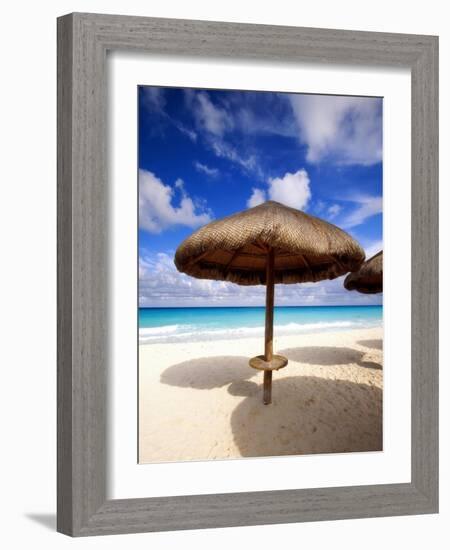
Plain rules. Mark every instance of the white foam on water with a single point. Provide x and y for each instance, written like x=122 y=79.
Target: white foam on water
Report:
x=193 y=333
x=168 y=329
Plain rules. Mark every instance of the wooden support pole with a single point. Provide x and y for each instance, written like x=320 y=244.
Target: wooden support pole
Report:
x=268 y=341
x=267 y=387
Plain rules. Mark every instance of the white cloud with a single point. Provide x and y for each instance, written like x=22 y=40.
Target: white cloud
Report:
x=155 y=102
x=156 y=208
x=215 y=122
x=184 y=129
x=223 y=150
x=211 y=172
x=291 y=190
x=373 y=248
x=344 y=130
x=154 y=98
x=208 y=116
x=276 y=120
x=367 y=207
x=333 y=210
x=258 y=196
x=319 y=206
x=161 y=285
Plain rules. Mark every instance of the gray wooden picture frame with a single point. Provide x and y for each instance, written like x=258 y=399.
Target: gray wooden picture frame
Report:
x=83 y=41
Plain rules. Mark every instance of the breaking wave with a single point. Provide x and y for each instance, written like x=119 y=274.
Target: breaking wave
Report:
x=196 y=333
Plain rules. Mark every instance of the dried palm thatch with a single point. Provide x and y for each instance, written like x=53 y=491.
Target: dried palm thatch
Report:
x=369 y=278
x=306 y=249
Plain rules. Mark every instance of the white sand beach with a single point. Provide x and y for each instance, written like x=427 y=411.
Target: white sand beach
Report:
x=201 y=400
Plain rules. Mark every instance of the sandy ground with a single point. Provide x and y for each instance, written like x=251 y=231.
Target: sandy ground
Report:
x=202 y=401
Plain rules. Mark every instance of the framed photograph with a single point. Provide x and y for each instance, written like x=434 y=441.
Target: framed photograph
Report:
x=247 y=274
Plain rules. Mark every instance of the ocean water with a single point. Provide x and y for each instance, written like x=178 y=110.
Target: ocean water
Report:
x=165 y=325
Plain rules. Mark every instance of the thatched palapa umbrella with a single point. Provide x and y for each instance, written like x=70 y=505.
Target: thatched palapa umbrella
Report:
x=270 y=243
x=369 y=278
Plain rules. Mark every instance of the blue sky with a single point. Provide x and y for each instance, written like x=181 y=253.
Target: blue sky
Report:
x=205 y=154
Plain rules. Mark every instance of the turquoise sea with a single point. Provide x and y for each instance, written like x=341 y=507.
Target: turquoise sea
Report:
x=161 y=325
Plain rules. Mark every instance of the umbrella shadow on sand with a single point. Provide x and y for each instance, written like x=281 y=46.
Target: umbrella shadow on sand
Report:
x=374 y=344
x=208 y=372
x=309 y=415
x=327 y=356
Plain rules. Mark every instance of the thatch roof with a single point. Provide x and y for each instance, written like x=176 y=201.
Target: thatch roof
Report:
x=369 y=278
x=235 y=248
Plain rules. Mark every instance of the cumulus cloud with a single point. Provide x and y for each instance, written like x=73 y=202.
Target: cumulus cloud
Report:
x=367 y=207
x=258 y=196
x=157 y=210
x=291 y=190
x=344 y=130
x=211 y=172
x=161 y=285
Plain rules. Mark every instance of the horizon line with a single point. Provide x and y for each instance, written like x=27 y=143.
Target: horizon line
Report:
x=262 y=307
